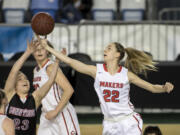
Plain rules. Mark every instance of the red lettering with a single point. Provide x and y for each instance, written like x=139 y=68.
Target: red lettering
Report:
x=102 y=84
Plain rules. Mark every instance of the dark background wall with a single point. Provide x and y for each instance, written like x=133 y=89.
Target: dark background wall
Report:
x=85 y=93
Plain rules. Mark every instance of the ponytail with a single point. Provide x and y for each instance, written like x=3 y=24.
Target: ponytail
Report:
x=139 y=62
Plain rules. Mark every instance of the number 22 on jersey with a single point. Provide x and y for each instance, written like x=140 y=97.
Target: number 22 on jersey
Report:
x=111 y=96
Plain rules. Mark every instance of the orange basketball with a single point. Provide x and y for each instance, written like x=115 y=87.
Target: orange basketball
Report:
x=42 y=23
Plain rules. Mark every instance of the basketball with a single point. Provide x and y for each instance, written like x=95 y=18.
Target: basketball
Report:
x=42 y=23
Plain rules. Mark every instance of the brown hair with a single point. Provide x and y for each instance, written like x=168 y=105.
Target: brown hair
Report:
x=50 y=45
x=137 y=61
x=2 y=96
x=152 y=129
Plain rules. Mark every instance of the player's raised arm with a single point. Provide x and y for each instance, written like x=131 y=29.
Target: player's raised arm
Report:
x=77 y=65
x=154 y=88
x=11 y=80
x=41 y=93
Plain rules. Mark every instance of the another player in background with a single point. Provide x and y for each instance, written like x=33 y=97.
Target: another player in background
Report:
x=22 y=104
x=152 y=130
x=112 y=85
x=58 y=115
x=6 y=124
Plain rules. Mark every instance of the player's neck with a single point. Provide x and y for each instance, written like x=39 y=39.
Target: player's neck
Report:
x=42 y=63
x=2 y=110
x=23 y=95
x=112 y=67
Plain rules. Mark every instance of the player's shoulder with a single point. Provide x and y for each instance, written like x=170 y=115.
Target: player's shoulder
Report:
x=99 y=67
x=49 y=67
x=124 y=69
x=7 y=121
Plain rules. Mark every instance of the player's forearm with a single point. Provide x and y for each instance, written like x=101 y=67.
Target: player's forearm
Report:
x=43 y=91
x=10 y=82
x=64 y=100
x=77 y=65
x=54 y=72
x=158 y=89
x=19 y=63
x=60 y=56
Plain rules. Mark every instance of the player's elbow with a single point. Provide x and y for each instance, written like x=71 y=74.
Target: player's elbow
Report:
x=153 y=91
x=71 y=91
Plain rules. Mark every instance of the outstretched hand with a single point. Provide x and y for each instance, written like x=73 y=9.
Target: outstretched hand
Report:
x=43 y=42
x=168 y=87
x=31 y=47
x=63 y=51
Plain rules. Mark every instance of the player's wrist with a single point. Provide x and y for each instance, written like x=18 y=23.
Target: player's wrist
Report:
x=57 y=111
x=28 y=52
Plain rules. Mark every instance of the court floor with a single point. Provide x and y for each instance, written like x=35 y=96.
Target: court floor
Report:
x=96 y=129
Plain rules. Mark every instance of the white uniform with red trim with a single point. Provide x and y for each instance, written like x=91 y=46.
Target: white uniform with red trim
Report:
x=66 y=123
x=113 y=93
x=2 y=117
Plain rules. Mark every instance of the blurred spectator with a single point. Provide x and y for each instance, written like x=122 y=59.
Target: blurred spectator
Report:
x=70 y=12
x=85 y=8
x=152 y=130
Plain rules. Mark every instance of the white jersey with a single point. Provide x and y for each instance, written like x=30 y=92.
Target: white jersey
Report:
x=113 y=92
x=51 y=100
x=66 y=123
x=2 y=117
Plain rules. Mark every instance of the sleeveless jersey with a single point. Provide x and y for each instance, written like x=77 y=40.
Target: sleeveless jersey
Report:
x=51 y=100
x=113 y=92
x=23 y=114
x=2 y=117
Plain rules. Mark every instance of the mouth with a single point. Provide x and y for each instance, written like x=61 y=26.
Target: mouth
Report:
x=25 y=85
x=40 y=55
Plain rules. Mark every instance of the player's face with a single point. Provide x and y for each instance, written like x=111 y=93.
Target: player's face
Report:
x=110 y=53
x=40 y=53
x=22 y=83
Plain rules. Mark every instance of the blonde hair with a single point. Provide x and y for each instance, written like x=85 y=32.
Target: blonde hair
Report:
x=137 y=61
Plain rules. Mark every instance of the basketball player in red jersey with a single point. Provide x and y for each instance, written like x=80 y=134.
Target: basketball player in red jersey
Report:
x=22 y=104
x=58 y=116
x=112 y=85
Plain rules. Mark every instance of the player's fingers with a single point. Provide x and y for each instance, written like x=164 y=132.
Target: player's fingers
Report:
x=63 y=51
x=169 y=87
x=38 y=37
x=32 y=41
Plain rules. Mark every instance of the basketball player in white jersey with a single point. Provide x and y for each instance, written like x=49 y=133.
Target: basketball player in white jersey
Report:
x=6 y=125
x=58 y=115
x=112 y=85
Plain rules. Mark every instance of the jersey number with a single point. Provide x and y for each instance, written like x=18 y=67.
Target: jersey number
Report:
x=18 y=126
x=111 y=96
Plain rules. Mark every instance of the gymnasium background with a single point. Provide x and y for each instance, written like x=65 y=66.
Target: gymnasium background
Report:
x=152 y=26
